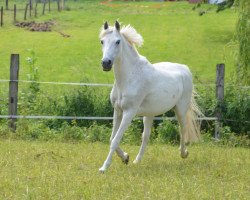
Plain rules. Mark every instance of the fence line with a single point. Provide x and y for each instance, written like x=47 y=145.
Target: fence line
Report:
x=90 y=118
x=100 y=118
x=14 y=80
x=100 y=84
x=59 y=83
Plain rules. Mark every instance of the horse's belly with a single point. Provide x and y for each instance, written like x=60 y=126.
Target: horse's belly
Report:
x=157 y=104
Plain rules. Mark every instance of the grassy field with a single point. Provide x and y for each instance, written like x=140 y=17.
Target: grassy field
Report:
x=172 y=32
x=38 y=170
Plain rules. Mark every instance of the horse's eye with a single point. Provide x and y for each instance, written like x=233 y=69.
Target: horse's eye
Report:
x=118 y=42
x=101 y=41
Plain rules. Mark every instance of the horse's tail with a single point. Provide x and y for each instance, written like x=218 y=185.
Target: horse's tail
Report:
x=193 y=123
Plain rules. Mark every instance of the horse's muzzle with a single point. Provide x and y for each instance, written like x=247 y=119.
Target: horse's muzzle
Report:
x=106 y=65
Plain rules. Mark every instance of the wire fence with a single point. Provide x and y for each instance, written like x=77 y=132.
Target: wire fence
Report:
x=105 y=84
x=79 y=117
x=90 y=117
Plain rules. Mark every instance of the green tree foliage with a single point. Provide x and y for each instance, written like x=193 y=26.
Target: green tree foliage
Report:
x=243 y=40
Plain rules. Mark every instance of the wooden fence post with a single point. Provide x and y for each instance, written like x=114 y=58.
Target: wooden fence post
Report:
x=25 y=11
x=44 y=4
x=220 y=74
x=36 y=10
x=1 y=16
x=7 y=4
x=58 y=5
x=62 y=4
x=30 y=7
x=31 y=4
x=14 y=13
x=13 y=89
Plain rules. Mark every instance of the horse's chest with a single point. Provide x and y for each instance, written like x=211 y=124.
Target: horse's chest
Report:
x=125 y=99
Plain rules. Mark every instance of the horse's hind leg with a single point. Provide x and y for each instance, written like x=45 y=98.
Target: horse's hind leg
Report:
x=116 y=123
x=181 y=113
x=147 y=121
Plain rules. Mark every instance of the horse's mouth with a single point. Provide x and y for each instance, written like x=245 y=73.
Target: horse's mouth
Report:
x=106 y=69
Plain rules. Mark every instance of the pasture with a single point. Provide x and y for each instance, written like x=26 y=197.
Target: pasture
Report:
x=48 y=170
x=172 y=32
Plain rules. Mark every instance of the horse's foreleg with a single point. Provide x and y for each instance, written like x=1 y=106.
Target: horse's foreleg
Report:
x=147 y=121
x=116 y=123
x=126 y=120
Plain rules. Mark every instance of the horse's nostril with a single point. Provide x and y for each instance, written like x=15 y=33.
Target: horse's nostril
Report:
x=109 y=62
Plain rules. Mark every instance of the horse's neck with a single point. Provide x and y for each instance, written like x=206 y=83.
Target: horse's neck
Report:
x=125 y=64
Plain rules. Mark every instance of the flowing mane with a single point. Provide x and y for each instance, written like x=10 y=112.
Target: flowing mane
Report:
x=129 y=33
x=132 y=36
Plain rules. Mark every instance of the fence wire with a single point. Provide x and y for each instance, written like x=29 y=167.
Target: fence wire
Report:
x=105 y=84
x=90 y=118
x=93 y=117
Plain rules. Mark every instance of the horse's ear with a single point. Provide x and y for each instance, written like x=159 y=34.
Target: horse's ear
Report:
x=105 y=26
x=117 y=25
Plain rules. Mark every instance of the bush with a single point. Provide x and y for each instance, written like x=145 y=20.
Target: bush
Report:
x=84 y=101
x=134 y=133
x=236 y=110
x=98 y=133
x=167 y=132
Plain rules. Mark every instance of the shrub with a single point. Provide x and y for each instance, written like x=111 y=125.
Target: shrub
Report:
x=134 y=133
x=167 y=132
x=236 y=110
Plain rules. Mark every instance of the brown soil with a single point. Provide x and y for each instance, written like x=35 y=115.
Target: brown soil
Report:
x=35 y=26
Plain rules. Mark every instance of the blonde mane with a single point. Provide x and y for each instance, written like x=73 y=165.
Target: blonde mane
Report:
x=132 y=36
x=128 y=32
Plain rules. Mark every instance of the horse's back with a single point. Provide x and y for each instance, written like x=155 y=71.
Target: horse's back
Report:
x=175 y=70
x=166 y=84
x=170 y=67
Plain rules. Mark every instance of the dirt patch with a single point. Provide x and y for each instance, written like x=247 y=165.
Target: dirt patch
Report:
x=37 y=26
x=108 y=3
x=105 y=1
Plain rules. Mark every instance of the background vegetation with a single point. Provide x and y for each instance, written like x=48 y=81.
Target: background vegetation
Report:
x=243 y=41
x=75 y=59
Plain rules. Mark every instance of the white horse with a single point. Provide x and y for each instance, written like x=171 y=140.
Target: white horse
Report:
x=145 y=89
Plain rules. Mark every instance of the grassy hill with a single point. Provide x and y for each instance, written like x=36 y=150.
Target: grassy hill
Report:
x=172 y=32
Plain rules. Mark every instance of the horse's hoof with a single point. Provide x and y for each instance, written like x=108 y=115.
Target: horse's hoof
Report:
x=136 y=161
x=102 y=170
x=126 y=160
x=184 y=154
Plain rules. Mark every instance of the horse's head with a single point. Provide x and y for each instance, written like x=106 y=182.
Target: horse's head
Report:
x=111 y=44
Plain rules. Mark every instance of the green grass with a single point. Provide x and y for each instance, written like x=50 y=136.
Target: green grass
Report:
x=172 y=32
x=38 y=170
